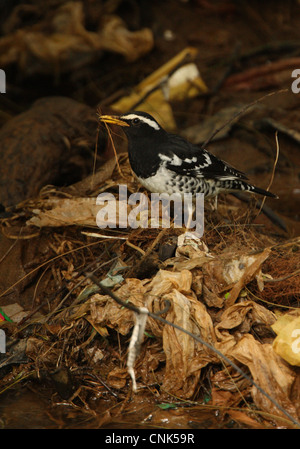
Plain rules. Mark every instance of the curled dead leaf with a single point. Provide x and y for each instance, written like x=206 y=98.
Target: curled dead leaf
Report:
x=70 y=45
x=269 y=371
x=105 y=312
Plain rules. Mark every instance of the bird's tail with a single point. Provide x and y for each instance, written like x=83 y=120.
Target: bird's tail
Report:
x=254 y=189
x=244 y=186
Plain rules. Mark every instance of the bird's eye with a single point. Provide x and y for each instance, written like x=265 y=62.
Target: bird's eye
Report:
x=135 y=121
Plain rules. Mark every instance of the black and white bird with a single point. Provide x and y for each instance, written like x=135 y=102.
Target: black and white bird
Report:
x=165 y=162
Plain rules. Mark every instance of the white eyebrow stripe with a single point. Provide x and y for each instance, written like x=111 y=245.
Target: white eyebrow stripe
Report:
x=147 y=120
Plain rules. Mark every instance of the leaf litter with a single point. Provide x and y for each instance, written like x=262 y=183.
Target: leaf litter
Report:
x=213 y=294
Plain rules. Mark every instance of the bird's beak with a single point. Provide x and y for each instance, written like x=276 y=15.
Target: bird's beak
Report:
x=113 y=119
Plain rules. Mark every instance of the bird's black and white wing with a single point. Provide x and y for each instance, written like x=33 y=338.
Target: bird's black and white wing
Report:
x=188 y=159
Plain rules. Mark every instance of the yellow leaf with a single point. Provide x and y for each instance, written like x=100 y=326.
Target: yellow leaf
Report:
x=287 y=342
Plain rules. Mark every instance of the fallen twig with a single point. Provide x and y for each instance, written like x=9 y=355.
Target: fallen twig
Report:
x=244 y=109
x=263 y=70
x=273 y=173
x=283 y=278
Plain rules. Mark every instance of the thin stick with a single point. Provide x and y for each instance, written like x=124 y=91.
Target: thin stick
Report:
x=137 y=248
x=96 y=150
x=98 y=236
x=269 y=302
x=283 y=278
x=273 y=173
x=95 y=157
x=114 y=148
x=240 y=113
x=9 y=250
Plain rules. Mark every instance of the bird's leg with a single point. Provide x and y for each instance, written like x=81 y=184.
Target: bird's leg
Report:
x=191 y=210
x=214 y=204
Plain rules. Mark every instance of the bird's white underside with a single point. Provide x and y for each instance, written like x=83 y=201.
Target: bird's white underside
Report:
x=157 y=182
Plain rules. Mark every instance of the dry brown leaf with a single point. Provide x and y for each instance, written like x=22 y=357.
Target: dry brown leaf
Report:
x=117 y=378
x=250 y=270
x=70 y=45
x=243 y=418
x=151 y=356
x=243 y=316
x=238 y=320
x=190 y=246
x=229 y=379
x=159 y=289
x=104 y=311
x=184 y=356
x=180 y=379
x=182 y=263
x=165 y=281
x=115 y=37
x=65 y=212
x=269 y=371
x=230 y=273
x=56 y=212
x=225 y=399
x=211 y=298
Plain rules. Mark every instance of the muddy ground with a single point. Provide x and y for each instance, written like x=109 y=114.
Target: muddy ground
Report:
x=66 y=341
